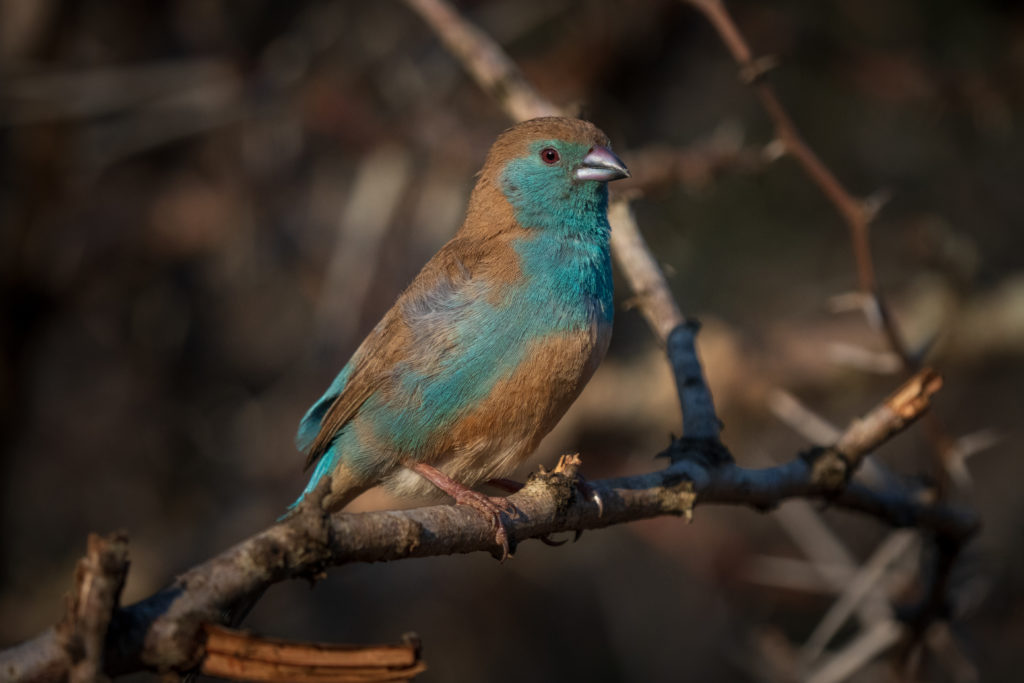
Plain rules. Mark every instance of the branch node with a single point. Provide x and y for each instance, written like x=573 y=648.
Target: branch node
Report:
x=754 y=71
x=873 y=204
x=708 y=453
x=678 y=496
x=774 y=150
x=914 y=397
x=561 y=482
x=830 y=468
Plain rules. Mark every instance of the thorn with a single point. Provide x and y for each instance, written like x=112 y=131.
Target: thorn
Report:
x=873 y=204
x=547 y=540
x=920 y=353
x=774 y=150
x=963 y=448
x=754 y=70
x=976 y=442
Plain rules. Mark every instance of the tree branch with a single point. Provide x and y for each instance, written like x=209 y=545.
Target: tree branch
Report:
x=165 y=631
x=856 y=213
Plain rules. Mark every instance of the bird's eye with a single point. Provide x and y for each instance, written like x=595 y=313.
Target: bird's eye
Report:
x=549 y=155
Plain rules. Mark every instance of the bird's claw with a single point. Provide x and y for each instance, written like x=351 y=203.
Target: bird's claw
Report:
x=547 y=540
x=493 y=508
x=590 y=493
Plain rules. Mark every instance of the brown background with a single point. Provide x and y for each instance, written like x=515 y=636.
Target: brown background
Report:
x=205 y=205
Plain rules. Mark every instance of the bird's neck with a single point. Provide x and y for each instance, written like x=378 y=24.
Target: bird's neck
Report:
x=576 y=212
x=562 y=245
x=570 y=277
x=564 y=256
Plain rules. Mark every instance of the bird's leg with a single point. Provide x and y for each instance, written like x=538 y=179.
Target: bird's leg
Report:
x=488 y=505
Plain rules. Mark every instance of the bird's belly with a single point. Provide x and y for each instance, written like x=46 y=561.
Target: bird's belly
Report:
x=494 y=437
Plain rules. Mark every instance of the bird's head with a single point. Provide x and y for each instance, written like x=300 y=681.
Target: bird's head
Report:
x=553 y=171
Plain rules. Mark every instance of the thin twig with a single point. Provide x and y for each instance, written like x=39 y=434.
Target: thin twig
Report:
x=854 y=212
x=857 y=214
x=858 y=652
x=99 y=579
x=859 y=588
x=492 y=69
x=642 y=273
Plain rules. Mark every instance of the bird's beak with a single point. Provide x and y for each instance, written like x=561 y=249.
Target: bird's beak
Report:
x=601 y=164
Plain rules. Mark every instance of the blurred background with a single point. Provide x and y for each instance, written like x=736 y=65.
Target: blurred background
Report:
x=205 y=205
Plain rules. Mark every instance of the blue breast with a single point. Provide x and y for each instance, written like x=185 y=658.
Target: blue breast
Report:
x=563 y=289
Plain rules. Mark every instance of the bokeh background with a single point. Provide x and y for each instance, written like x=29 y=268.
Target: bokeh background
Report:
x=204 y=206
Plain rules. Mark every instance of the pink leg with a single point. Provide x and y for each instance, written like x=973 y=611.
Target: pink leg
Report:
x=513 y=486
x=490 y=506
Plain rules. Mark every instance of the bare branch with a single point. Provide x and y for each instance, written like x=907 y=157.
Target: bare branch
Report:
x=857 y=214
x=164 y=631
x=695 y=166
x=99 y=579
x=854 y=212
x=492 y=69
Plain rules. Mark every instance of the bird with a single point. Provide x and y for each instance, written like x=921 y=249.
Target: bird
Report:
x=486 y=349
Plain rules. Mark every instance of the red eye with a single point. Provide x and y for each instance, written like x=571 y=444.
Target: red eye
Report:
x=549 y=155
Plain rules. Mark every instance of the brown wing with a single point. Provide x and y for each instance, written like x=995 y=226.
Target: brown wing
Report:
x=394 y=339
x=344 y=408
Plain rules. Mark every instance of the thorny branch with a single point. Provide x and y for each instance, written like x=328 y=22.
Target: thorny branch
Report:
x=165 y=631
x=856 y=213
x=645 y=277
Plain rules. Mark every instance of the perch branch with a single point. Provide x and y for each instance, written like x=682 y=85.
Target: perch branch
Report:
x=165 y=631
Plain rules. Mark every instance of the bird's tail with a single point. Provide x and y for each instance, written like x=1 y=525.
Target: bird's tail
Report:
x=333 y=483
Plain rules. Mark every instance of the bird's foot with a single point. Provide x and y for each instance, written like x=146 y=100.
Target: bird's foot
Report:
x=491 y=507
x=589 y=493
